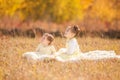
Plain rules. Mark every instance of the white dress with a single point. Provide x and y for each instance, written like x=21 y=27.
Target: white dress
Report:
x=98 y=54
x=73 y=53
x=41 y=53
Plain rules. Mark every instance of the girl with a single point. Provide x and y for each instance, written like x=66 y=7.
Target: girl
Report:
x=72 y=51
x=45 y=49
x=72 y=48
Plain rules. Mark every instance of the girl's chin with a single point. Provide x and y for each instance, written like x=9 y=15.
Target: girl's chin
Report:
x=45 y=44
x=65 y=36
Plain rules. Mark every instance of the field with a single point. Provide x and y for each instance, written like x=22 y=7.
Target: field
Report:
x=14 y=67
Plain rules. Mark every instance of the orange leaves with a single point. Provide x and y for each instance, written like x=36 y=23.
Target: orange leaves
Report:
x=104 y=10
x=86 y=3
x=59 y=10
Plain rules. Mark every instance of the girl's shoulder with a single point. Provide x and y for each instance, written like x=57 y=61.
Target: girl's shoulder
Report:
x=73 y=40
x=40 y=45
x=51 y=46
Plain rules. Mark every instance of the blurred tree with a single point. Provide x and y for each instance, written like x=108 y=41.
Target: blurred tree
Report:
x=60 y=10
x=104 y=10
x=9 y=7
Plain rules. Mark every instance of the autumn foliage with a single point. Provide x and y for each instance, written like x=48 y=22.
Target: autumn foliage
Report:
x=90 y=15
x=59 y=10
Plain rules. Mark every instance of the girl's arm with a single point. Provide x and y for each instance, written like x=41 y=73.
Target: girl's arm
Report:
x=53 y=50
x=38 y=48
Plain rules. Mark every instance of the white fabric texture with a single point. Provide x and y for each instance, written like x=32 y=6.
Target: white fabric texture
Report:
x=71 y=47
x=41 y=49
x=92 y=55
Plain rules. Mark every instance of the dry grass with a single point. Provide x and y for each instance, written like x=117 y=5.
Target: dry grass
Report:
x=14 y=67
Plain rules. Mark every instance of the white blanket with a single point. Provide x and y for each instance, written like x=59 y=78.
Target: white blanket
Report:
x=91 y=55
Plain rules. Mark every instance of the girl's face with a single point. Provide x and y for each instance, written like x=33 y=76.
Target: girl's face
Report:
x=44 y=40
x=68 y=34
